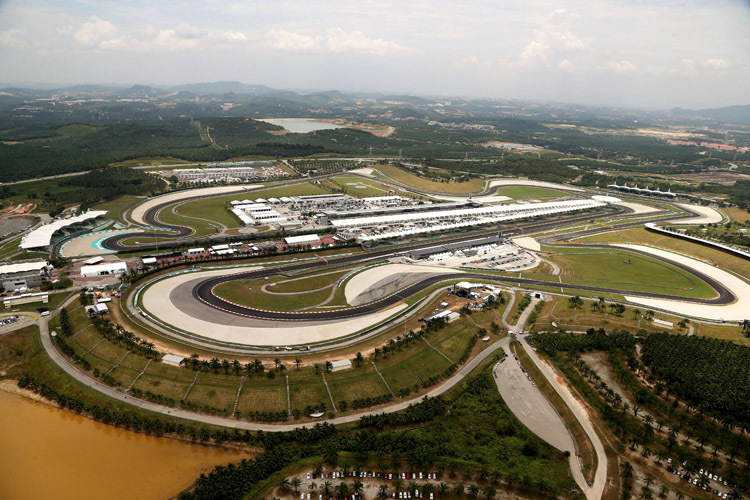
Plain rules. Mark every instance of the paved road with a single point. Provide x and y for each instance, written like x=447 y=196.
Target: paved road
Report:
x=595 y=491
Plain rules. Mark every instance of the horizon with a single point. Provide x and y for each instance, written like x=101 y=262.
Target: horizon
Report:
x=49 y=87
x=632 y=56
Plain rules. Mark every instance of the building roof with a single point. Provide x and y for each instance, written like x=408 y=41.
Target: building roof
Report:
x=341 y=363
x=108 y=267
x=305 y=238
x=12 y=298
x=23 y=267
x=42 y=236
x=172 y=359
x=486 y=211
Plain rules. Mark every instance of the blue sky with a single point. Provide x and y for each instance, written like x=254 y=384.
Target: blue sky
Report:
x=628 y=53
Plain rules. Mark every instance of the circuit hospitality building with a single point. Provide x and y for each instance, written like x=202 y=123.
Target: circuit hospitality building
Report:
x=449 y=219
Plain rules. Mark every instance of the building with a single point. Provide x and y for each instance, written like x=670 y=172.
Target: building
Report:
x=172 y=360
x=643 y=191
x=41 y=237
x=110 y=268
x=342 y=364
x=27 y=298
x=305 y=239
x=21 y=276
x=447 y=249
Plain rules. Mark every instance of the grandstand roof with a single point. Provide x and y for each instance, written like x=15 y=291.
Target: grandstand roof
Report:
x=42 y=236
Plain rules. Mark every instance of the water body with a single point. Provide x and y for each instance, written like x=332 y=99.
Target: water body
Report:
x=302 y=125
x=47 y=453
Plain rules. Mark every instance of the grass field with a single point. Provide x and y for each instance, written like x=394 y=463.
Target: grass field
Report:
x=523 y=192
x=360 y=187
x=408 y=179
x=642 y=236
x=737 y=214
x=248 y=293
x=401 y=369
x=564 y=316
x=117 y=207
x=10 y=248
x=149 y=160
x=610 y=268
x=309 y=283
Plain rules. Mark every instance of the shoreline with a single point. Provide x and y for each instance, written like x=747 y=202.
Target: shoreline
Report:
x=10 y=386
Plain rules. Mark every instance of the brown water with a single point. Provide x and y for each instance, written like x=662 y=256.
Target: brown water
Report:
x=47 y=453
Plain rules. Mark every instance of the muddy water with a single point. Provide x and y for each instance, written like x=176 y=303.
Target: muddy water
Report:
x=50 y=453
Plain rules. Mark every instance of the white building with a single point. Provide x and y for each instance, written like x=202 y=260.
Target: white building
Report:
x=304 y=239
x=110 y=268
x=342 y=364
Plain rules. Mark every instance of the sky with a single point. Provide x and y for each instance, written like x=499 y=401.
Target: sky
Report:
x=653 y=54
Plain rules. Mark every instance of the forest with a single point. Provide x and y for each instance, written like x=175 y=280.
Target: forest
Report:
x=711 y=374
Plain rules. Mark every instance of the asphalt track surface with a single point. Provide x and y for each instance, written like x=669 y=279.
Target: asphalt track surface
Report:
x=180 y=232
x=204 y=290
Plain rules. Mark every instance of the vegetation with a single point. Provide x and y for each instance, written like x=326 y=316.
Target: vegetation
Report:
x=710 y=374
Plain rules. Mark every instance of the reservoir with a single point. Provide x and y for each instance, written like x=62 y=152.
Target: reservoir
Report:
x=302 y=125
x=51 y=453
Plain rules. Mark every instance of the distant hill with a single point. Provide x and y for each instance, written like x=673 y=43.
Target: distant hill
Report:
x=224 y=88
x=89 y=89
x=733 y=114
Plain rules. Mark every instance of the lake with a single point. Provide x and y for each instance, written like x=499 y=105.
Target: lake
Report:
x=52 y=453
x=301 y=125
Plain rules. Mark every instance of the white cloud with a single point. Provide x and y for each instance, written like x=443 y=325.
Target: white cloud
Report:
x=335 y=40
x=716 y=64
x=94 y=31
x=184 y=37
x=11 y=38
x=554 y=40
x=622 y=66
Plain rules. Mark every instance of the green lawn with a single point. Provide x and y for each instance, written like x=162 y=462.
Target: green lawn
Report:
x=259 y=393
x=405 y=373
x=523 y=192
x=642 y=236
x=408 y=179
x=359 y=382
x=117 y=207
x=361 y=188
x=307 y=390
x=10 y=248
x=249 y=294
x=640 y=274
x=214 y=395
x=306 y=284
x=165 y=387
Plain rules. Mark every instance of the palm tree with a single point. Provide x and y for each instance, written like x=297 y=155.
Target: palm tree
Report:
x=342 y=489
x=296 y=482
x=443 y=488
x=327 y=487
x=284 y=484
x=383 y=491
x=357 y=487
x=459 y=490
x=473 y=491
x=297 y=362
x=490 y=492
x=313 y=486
